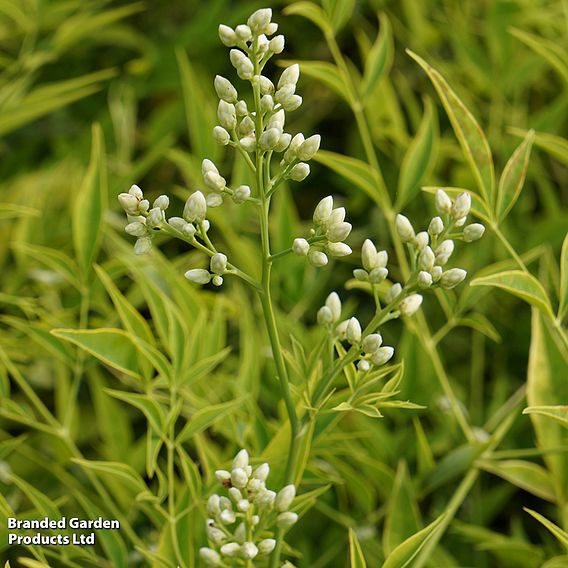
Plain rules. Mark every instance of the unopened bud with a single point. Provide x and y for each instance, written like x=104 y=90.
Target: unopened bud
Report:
x=301 y=247
x=241 y=194
x=285 y=497
x=410 y=304
x=286 y=520
x=473 y=232
x=142 y=245
x=338 y=231
x=443 y=202
x=299 y=172
x=289 y=76
x=462 y=205
x=195 y=207
x=424 y=279
x=382 y=355
x=323 y=210
x=198 y=276
x=276 y=44
x=317 y=258
x=353 y=332
x=309 y=148
x=338 y=250
x=404 y=228
x=218 y=263
x=334 y=304
x=394 y=292
x=227 y=36
x=221 y=136
x=451 y=278
x=372 y=342
x=225 y=89
x=436 y=226
x=210 y=557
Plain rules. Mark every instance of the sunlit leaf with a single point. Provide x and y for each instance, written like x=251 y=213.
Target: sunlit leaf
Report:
x=356 y=558
x=379 y=60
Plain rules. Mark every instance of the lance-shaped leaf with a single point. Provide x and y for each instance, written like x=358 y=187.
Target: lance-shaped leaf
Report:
x=560 y=534
x=513 y=177
x=468 y=132
x=520 y=284
x=558 y=412
x=89 y=205
x=379 y=60
x=356 y=558
x=556 y=146
x=563 y=307
x=311 y=12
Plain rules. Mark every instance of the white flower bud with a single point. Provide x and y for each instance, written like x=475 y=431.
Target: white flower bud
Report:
x=143 y=206
x=248 y=143
x=266 y=85
x=443 y=201
x=323 y=210
x=258 y=22
x=214 y=180
x=214 y=200
x=289 y=76
x=436 y=226
x=422 y=238
x=221 y=136
x=231 y=549
x=227 y=517
x=225 y=89
x=162 y=202
x=241 y=459
x=473 y=232
x=363 y=365
x=261 y=472
x=294 y=146
x=235 y=494
x=129 y=203
x=177 y=223
x=361 y=275
x=277 y=120
x=243 y=65
x=218 y=263
x=266 y=103
x=299 y=172
x=227 y=36
x=269 y=139
x=249 y=550
x=451 y=278
x=337 y=215
x=424 y=279
x=227 y=115
x=436 y=273
x=301 y=247
x=338 y=250
x=246 y=127
x=243 y=505
x=317 y=258
x=292 y=103
x=334 y=304
x=241 y=194
x=217 y=280
x=324 y=316
x=265 y=500
x=155 y=217
x=216 y=535
x=210 y=557
x=372 y=342
x=266 y=546
x=338 y=231
x=195 y=207
x=394 y=292
x=213 y=505
x=444 y=251
x=284 y=93
x=285 y=497
x=286 y=520
x=136 y=229
x=369 y=255
x=382 y=355
x=460 y=222
x=136 y=192
x=341 y=330
x=198 y=276
x=410 y=304
x=142 y=245
x=353 y=331
x=378 y=275
x=283 y=142
x=243 y=32
x=276 y=44
x=404 y=228
x=241 y=108
x=309 y=147
x=224 y=503
x=426 y=259
x=462 y=205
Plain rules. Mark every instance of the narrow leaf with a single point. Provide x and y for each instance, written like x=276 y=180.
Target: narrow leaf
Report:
x=561 y=535
x=379 y=60
x=153 y=412
x=563 y=307
x=311 y=12
x=468 y=132
x=558 y=413
x=355 y=552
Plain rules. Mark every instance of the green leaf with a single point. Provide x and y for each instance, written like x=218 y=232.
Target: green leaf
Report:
x=203 y=368
x=153 y=412
x=403 y=555
x=116 y=470
x=551 y=51
x=418 y=157
x=327 y=73
x=13 y=211
x=563 y=307
x=199 y=113
x=379 y=60
x=558 y=413
x=206 y=417
x=561 y=535
x=527 y=475
x=355 y=552
x=311 y=12
x=339 y=12
x=356 y=171
x=547 y=386
x=513 y=177
x=556 y=146
x=90 y=203
x=556 y=562
x=468 y=132
x=520 y=284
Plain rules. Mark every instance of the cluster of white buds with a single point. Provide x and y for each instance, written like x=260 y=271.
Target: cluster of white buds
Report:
x=217 y=265
x=261 y=130
x=327 y=235
x=374 y=264
x=141 y=218
x=239 y=526
x=216 y=182
x=373 y=353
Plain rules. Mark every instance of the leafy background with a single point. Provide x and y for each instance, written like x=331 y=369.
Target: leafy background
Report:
x=97 y=95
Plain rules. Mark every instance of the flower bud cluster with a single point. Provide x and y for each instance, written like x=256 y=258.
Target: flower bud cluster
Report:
x=240 y=526
x=217 y=183
x=328 y=233
x=217 y=265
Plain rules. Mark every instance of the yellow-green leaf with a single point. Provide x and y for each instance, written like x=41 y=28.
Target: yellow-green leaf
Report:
x=468 y=132
x=355 y=552
x=560 y=534
x=90 y=204
x=418 y=157
x=520 y=284
x=153 y=412
x=338 y=12
x=117 y=470
x=513 y=177
x=556 y=146
x=558 y=413
x=379 y=60
x=563 y=307
x=311 y=12
x=403 y=555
